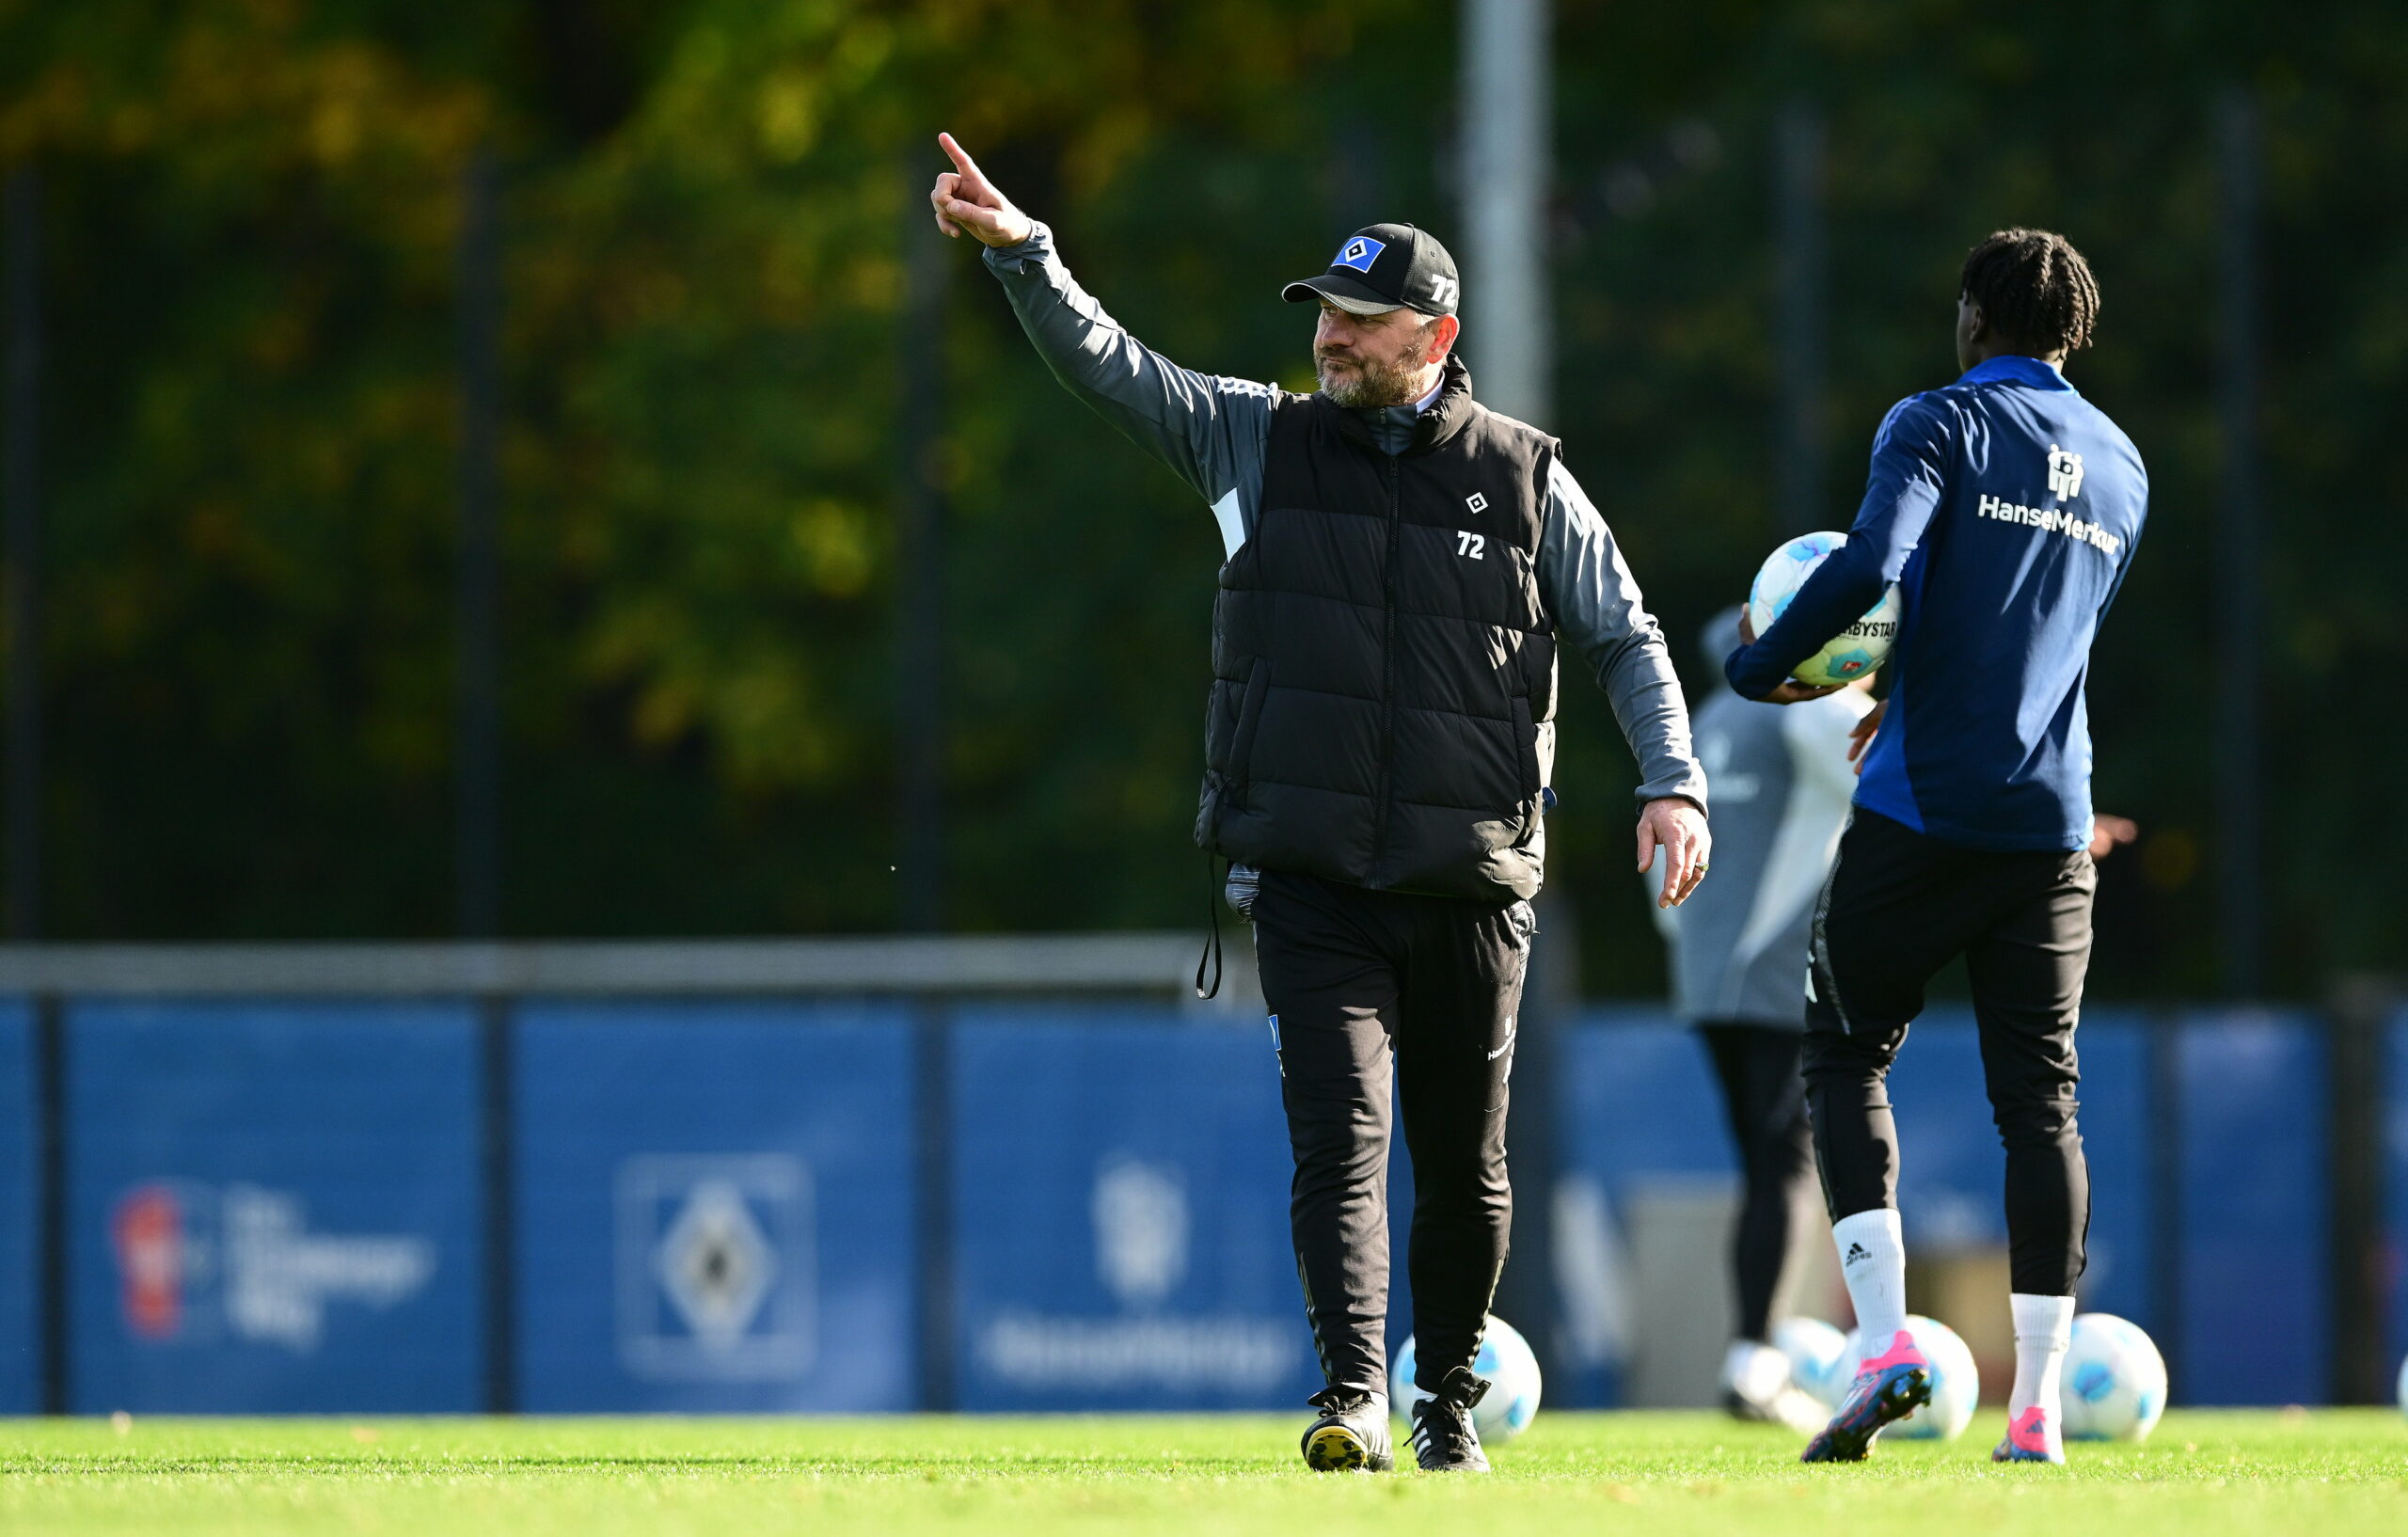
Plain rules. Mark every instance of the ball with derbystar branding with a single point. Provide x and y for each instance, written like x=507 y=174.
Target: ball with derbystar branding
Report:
x=2114 y=1381
x=1511 y=1369
x=1857 y=651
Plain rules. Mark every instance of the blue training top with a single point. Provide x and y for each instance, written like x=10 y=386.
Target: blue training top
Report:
x=2006 y=507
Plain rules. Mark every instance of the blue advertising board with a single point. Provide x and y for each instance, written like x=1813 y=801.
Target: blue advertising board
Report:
x=1639 y=1116
x=2254 y=1224
x=20 y=1312
x=714 y=1206
x=272 y=1208
x=1121 y=1193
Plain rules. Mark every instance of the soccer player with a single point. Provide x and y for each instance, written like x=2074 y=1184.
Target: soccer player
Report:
x=2007 y=508
x=1781 y=785
x=1399 y=566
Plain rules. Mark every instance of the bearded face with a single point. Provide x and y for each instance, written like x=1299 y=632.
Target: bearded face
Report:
x=1369 y=360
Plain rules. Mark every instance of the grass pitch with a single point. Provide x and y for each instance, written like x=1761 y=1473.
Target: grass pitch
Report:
x=2203 y=1474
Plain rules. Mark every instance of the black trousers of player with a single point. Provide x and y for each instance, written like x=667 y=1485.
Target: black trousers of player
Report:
x=1352 y=976
x=1898 y=907
x=1765 y=1102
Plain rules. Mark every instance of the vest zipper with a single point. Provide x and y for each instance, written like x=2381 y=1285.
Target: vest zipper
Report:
x=1388 y=674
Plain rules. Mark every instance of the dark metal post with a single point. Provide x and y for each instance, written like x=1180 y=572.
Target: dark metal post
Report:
x=2240 y=875
x=21 y=550
x=479 y=827
x=2361 y=1005
x=498 y=1063
x=50 y=1194
x=920 y=580
x=932 y=1182
x=1801 y=298
x=2166 y=1227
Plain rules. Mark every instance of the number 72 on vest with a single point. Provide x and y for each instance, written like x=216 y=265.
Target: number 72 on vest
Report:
x=1473 y=544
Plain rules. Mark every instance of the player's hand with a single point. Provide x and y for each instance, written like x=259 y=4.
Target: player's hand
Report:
x=1678 y=828
x=966 y=200
x=1794 y=692
x=1860 y=735
x=2108 y=831
x=1791 y=691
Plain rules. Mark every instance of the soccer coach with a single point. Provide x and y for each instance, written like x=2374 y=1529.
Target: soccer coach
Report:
x=1399 y=566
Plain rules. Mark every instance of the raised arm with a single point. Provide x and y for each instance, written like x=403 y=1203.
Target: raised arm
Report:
x=1599 y=613
x=1208 y=429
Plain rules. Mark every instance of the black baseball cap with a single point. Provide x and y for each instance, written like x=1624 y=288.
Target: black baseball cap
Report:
x=1385 y=267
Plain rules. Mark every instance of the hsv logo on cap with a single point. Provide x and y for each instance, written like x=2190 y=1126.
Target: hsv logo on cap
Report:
x=1359 y=253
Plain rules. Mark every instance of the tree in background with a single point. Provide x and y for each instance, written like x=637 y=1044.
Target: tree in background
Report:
x=253 y=208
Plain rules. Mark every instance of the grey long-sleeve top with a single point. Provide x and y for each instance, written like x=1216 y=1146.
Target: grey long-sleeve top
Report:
x=1213 y=432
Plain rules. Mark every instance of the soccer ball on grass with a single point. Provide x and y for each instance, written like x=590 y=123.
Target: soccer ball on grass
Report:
x=2115 y=1381
x=1513 y=1373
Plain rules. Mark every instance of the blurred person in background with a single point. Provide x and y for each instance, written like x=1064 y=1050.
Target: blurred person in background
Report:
x=1781 y=788
x=1399 y=566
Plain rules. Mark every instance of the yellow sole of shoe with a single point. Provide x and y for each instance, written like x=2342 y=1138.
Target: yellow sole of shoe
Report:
x=1334 y=1449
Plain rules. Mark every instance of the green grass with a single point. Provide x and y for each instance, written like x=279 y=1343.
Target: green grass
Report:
x=2204 y=1474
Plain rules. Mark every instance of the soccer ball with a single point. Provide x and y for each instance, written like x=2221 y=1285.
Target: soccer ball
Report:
x=1856 y=651
x=1512 y=1401
x=1956 y=1382
x=1819 y=1362
x=2115 y=1381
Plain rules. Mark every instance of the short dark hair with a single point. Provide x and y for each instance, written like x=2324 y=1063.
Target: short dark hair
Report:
x=2034 y=288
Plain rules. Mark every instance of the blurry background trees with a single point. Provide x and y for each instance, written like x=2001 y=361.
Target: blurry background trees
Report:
x=251 y=208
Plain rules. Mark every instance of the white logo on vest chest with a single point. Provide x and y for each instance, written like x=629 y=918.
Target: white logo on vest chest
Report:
x=1477 y=502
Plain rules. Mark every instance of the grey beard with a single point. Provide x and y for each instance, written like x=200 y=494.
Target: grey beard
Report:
x=1374 y=385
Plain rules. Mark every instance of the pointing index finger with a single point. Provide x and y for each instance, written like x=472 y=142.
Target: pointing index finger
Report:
x=961 y=160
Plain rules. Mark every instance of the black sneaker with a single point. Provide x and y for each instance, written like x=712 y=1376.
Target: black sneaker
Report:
x=1444 y=1438
x=1351 y=1436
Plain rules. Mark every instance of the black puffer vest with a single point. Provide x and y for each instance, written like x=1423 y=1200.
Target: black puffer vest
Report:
x=1384 y=698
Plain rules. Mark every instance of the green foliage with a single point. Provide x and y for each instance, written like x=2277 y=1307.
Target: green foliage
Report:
x=252 y=206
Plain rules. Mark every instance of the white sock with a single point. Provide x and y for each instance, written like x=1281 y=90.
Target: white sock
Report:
x=2043 y=1329
x=1873 y=1260
x=1754 y=1370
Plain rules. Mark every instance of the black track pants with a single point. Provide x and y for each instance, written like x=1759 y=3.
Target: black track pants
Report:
x=1350 y=975
x=1766 y=1101
x=1898 y=907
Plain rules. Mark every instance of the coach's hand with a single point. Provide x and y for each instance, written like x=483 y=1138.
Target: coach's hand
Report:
x=965 y=199
x=1678 y=828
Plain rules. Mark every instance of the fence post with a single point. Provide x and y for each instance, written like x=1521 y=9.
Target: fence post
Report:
x=20 y=534
x=2359 y=1008
x=1798 y=143
x=500 y=1169
x=2241 y=881
x=479 y=828
x=932 y=1150
x=2165 y=1188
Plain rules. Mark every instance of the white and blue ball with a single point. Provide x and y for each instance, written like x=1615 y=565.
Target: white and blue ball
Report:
x=1820 y=1364
x=1856 y=651
x=1506 y=1360
x=2403 y=1384
x=2113 y=1387
x=1956 y=1382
